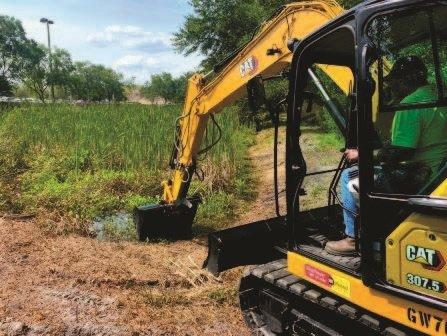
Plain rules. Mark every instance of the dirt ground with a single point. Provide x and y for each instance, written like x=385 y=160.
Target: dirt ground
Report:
x=81 y=286
x=261 y=155
x=71 y=285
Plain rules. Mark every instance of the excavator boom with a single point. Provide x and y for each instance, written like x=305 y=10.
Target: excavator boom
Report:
x=267 y=54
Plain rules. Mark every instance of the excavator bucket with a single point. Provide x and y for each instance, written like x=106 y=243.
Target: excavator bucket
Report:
x=250 y=244
x=166 y=221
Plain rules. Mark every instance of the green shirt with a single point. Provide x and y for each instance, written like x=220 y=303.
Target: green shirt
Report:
x=424 y=129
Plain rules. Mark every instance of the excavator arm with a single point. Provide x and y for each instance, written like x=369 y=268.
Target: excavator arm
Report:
x=267 y=54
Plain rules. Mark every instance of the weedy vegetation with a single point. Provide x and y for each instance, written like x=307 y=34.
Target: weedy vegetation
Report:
x=72 y=164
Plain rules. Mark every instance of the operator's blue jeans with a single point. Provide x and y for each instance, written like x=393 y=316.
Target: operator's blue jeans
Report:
x=349 y=203
x=349 y=199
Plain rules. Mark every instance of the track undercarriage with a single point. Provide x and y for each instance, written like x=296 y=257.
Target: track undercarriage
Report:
x=275 y=302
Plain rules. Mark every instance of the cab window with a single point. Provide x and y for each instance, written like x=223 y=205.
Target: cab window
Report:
x=409 y=105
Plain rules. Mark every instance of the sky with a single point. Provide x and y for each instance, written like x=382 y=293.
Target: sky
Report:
x=130 y=36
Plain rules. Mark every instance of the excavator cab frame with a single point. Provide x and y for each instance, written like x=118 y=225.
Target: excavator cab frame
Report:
x=332 y=46
x=376 y=254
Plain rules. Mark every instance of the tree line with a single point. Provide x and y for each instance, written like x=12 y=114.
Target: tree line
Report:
x=24 y=63
x=215 y=29
x=166 y=86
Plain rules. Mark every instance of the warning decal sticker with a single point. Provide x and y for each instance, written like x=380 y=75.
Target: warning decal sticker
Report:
x=336 y=283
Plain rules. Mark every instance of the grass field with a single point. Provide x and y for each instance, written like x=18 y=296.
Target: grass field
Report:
x=77 y=163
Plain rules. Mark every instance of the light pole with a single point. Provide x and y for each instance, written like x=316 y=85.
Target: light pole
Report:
x=48 y=23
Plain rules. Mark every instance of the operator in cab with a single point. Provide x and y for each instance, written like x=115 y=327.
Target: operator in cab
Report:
x=416 y=152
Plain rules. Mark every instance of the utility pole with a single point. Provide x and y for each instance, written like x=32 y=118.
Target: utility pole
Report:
x=48 y=23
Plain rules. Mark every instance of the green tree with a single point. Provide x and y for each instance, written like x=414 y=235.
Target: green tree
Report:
x=92 y=82
x=164 y=85
x=6 y=88
x=62 y=69
x=181 y=84
x=79 y=81
x=113 y=84
x=35 y=71
x=24 y=60
x=13 y=52
x=216 y=28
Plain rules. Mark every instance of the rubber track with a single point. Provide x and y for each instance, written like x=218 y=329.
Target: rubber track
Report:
x=275 y=273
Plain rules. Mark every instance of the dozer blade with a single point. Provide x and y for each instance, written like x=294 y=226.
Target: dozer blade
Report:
x=166 y=221
x=250 y=244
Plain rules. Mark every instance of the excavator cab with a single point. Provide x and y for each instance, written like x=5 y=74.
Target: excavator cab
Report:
x=388 y=61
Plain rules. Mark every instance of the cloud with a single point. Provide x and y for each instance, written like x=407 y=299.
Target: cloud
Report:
x=135 y=62
x=143 y=53
x=131 y=37
x=63 y=34
x=142 y=66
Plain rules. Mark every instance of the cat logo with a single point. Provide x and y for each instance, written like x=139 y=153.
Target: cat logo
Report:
x=249 y=66
x=429 y=258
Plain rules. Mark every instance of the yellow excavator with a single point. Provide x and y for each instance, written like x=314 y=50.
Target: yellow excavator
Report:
x=395 y=283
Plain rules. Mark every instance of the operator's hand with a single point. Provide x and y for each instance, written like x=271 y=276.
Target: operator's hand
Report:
x=352 y=155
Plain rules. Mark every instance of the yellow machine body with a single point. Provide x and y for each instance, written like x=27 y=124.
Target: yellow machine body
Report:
x=416 y=253
x=413 y=315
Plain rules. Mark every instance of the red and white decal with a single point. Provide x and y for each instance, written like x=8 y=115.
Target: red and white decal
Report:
x=319 y=275
x=336 y=283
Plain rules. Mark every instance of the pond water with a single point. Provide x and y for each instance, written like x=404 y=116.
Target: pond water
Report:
x=119 y=226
